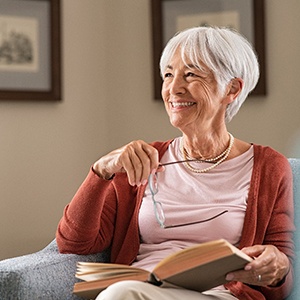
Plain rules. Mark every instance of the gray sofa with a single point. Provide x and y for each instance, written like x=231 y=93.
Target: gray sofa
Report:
x=49 y=275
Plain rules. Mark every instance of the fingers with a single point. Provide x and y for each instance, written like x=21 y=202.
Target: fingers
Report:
x=255 y=250
x=268 y=268
x=138 y=159
x=250 y=277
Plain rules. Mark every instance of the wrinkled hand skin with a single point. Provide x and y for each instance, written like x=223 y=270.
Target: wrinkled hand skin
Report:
x=138 y=159
x=271 y=264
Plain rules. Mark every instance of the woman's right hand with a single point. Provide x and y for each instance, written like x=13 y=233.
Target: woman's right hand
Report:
x=138 y=159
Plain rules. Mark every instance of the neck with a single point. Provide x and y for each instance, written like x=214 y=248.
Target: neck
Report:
x=206 y=146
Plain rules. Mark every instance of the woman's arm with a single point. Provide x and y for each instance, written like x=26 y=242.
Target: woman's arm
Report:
x=87 y=224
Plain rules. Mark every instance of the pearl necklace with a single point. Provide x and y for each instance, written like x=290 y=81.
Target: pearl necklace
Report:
x=218 y=159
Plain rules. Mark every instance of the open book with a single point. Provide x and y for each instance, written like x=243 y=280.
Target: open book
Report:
x=200 y=267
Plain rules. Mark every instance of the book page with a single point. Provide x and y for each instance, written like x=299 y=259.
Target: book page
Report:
x=102 y=271
x=90 y=289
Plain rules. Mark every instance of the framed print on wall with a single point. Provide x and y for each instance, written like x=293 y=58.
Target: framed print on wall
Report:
x=30 y=50
x=171 y=16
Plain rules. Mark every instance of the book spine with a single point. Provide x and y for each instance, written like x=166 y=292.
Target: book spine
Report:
x=154 y=280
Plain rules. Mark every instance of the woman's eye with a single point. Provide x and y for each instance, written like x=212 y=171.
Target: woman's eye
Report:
x=167 y=75
x=190 y=74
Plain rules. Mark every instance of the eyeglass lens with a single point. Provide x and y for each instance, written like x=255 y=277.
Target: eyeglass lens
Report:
x=153 y=183
x=158 y=210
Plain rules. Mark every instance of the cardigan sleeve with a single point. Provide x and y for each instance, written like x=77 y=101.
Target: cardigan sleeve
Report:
x=87 y=224
x=269 y=218
x=103 y=213
x=281 y=225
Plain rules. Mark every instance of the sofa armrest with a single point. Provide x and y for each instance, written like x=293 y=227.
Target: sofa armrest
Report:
x=295 y=165
x=46 y=274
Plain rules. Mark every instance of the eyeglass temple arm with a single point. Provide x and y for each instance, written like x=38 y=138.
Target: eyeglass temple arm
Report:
x=182 y=161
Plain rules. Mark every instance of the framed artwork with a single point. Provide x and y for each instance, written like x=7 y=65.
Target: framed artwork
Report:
x=171 y=16
x=30 y=50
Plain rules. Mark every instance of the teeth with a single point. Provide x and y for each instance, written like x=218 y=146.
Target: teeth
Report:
x=181 y=104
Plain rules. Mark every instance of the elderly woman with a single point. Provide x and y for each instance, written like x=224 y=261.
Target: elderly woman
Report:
x=242 y=190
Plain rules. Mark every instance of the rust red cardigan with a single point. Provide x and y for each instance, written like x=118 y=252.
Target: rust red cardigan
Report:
x=105 y=214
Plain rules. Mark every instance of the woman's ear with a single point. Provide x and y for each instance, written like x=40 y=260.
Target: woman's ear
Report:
x=233 y=90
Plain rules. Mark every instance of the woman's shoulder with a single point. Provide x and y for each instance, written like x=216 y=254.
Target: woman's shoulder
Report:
x=267 y=152
x=161 y=146
x=270 y=158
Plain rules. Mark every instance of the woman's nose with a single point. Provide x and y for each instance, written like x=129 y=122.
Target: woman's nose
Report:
x=178 y=85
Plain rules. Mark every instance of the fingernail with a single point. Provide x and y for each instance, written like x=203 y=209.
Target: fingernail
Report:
x=229 y=277
x=247 y=268
x=144 y=182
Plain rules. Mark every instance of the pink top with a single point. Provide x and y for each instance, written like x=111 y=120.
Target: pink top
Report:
x=188 y=197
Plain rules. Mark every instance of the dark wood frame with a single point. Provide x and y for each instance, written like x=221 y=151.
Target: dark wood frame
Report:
x=55 y=66
x=259 y=44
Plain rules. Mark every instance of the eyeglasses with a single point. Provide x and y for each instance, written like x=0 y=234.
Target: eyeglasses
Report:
x=158 y=208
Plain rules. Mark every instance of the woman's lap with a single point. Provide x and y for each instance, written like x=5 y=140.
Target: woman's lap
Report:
x=136 y=290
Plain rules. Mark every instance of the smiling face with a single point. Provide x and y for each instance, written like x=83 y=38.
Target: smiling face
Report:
x=191 y=96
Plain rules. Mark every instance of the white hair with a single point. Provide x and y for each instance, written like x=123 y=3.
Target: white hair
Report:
x=224 y=51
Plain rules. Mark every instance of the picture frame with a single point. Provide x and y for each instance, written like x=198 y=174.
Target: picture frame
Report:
x=168 y=15
x=30 y=50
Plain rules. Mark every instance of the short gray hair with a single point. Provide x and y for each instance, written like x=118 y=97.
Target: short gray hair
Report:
x=224 y=51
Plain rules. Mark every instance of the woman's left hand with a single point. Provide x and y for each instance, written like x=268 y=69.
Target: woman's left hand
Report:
x=269 y=267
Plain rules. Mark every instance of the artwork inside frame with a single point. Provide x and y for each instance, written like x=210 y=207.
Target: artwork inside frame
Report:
x=171 y=16
x=30 y=50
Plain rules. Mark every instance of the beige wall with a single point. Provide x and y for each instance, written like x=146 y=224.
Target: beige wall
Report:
x=47 y=148
x=274 y=120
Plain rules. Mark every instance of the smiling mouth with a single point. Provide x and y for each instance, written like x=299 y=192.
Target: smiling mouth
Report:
x=182 y=104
